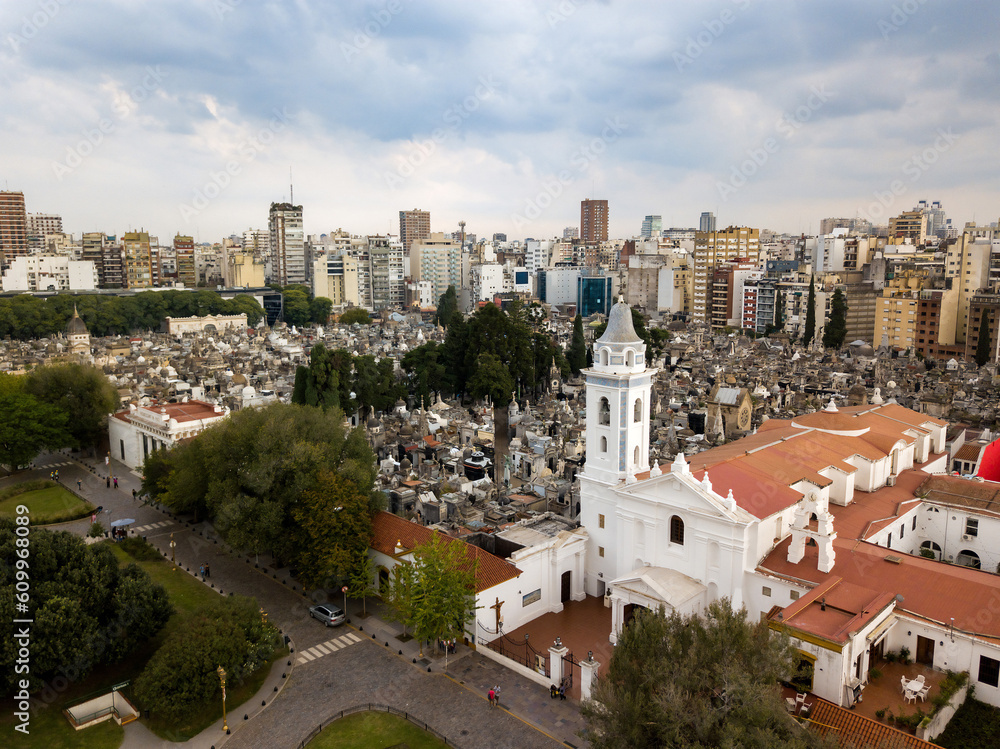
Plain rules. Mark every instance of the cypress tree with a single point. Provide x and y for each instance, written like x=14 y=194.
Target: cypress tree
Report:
x=810 y=330
x=985 y=341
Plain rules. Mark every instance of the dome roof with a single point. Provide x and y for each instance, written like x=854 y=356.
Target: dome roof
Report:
x=76 y=326
x=620 y=328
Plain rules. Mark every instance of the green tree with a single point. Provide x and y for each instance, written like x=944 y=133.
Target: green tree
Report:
x=362 y=581
x=810 y=326
x=984 y=344
x=319 y=383
x=355 y=315
x=402 y=594
x=426 y=371
x=336 y=529
x=491 y=380
x=28 y=426
x=296 y=307
x=836 y=327
x=80 y=391
x=181 y=677
x=577 y=355
x=319 y=310
x=447 y=307
x=695 y=681
x=445 y=589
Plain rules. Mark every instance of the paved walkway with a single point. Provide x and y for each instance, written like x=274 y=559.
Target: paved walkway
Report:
x=382 y=669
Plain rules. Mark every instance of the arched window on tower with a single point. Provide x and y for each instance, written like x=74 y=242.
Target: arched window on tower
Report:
x=604 y=412
x=637 y=411
x=676 y=530
x=604 y=357
x=630 y=358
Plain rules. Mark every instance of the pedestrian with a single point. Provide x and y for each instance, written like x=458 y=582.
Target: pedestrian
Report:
x=491 y=696
x=207 y=573
x=52 y=475
x=201 y=571
x=93 y=518
x=116 y=482
x=108 y=480
x=57 y=475
x=79 y=485
x=496 y=695
x=134 y=494
x=562 y=692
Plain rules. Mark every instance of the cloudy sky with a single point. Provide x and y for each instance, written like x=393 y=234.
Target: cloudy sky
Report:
x=187 y=115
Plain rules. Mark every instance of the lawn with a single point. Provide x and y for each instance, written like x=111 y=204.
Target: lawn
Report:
x=371 y=730
x=49 y=727
x=53 y=504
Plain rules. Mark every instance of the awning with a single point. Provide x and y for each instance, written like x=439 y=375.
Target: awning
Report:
x=880 y=631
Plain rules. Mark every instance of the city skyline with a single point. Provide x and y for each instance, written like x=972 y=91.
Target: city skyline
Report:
x=505 y=117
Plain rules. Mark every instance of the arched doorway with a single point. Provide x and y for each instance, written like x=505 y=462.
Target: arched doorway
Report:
x=631 y=611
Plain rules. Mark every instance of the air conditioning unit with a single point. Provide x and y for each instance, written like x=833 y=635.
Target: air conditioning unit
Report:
x=890 y=481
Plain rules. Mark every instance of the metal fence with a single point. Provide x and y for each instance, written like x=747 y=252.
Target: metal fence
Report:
x=372 y=707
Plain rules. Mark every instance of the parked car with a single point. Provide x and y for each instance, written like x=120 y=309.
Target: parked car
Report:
x=330 y=615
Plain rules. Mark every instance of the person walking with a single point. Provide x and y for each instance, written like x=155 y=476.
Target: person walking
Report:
x=201 y=571
x=496 y=695
x=491 y=695
x=207 y=572
x=116 y=482
x=79 y=485
x=108 y=480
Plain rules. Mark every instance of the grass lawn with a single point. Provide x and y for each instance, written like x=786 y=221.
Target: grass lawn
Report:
x=54 y=504
x=374 y=731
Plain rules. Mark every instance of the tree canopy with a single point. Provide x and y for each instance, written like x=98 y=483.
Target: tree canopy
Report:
x=251 y=473
x=86 y=609
x=29 y=424
x=355 y=315
x=810 y=324
x=447 y=306
x=695 y=681
x=577 y=355
x=835 y=331
x=80 y=391
x=984 y=348
x=25 y=316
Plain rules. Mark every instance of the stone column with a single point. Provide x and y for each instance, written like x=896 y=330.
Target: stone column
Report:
x=556 y=654
x=588 y=675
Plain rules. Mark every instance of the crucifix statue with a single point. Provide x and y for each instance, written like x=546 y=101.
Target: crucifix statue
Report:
x=496 y=607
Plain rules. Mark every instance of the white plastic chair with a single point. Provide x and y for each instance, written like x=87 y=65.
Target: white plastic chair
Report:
x=922 y=694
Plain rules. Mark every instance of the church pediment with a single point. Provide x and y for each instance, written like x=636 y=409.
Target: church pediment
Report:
x=659 y=585
x=685 y=491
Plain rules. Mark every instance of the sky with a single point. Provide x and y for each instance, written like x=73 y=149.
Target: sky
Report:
x=192 y=116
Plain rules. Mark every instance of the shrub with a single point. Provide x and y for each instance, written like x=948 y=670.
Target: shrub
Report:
x=138 y=549
x=96 y=530
x=874 y=673
x=181 y=674
x=904 y=655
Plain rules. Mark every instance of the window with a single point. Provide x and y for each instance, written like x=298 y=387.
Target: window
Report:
x=604 y=444
x=766 y=591
x=604 y=412
x=902 y=529
x=794 y=595
x=600 y=551
x=989 y=671
x=972 y=526
x=637 y=411
x=913 y=527
x=600 y=521
x=676 y=530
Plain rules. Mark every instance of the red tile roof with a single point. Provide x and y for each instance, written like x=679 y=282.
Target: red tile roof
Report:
x=851 y=729
x=834 y=610
x=388 y=530
x=982 y=496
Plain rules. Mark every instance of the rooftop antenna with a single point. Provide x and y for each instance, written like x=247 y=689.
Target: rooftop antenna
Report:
x=291 y=190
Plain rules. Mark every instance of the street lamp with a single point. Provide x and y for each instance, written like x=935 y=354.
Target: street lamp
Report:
x=173 y=554
x=222 y=679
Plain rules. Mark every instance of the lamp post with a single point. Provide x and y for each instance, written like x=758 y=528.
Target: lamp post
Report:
x=222 y=679
x=173 y=554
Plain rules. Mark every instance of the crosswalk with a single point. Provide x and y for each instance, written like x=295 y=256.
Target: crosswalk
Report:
x=318 y=651
x=153 y=526
x=57 y=464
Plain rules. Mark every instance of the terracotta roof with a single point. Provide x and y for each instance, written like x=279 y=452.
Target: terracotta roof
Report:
x=388 y=530
x=851 y=729
x=969 y=452
x=834 y=610
x=982 y=496
x=191 y=411
x=931 y=590
x=870 y=512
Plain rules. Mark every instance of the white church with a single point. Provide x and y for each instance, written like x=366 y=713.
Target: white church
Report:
x=814 y=523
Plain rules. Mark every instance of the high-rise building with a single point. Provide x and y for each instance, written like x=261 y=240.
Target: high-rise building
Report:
x=594 y=220
x=499 y=237
x=386 y=288
x=288 y=250
x=113 y=264
x=712 y=249
x=92 y=249
x=138 y=260
x=707 y=221
x=184 y=259
x=651 y=224
x=13 y=227
x=909 y=226
x=39 y=225
x=437 y=259
x=571 y=232
x=257 y=242
x=413 y=225
x=937 y=222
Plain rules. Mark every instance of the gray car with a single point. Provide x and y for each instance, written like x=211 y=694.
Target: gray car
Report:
x=330 y=615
